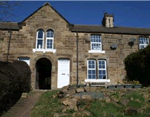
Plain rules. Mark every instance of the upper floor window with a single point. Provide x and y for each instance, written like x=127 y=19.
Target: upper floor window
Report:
x=40 y=39
x=143 y=42
x=49 y=39
x=96 y=42
x=44 y=44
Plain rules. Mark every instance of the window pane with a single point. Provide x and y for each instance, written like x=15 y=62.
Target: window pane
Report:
x=102 y=64
x=91 y=64
x=93 y=77
x=144 y=40
x=91 y=74
x=95 y=38
x=93 y=71
x=40 y=34
x=141 y=47
x=39 y=44
x=49 y=43
x=102 y=74
x=50 y=33
x=147 y=41
x=96 y=46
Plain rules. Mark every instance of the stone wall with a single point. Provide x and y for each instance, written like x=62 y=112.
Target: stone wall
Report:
x=24 y=40
x=115 y=65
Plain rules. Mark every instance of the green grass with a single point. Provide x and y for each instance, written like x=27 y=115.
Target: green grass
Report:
x=116 y=95
x=100 y=109
x=69 y=111
x=46 y=106
x=135 y=95
x=134 y=103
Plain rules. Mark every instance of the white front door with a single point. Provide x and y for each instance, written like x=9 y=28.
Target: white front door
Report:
x=63 y=73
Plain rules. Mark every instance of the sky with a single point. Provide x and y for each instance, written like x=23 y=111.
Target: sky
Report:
x=126 y=14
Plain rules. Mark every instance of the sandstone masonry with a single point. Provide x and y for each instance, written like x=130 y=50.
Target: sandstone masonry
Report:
x=23 y=41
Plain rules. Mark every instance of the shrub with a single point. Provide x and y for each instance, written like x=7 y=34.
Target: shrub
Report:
x=137 y=66
x=24 y=75
x=14 y=79
x=8 y=78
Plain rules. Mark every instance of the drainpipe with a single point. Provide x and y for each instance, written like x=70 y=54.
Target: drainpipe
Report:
x=77 y=58
x=9 y=44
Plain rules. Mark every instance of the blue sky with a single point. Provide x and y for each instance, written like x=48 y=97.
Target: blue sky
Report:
x=127 y=14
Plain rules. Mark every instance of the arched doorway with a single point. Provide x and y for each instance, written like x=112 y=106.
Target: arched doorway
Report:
x=43 y=73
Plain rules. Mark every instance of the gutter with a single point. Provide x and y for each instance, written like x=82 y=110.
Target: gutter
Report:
x=77 y=78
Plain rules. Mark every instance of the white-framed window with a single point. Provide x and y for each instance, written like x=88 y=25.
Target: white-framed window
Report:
x=143 y=42
x=91 y=69
x=40 y=39
x=102 y=72
x=96 y=72
x=48 y=46
x=25 y=59
x=96 y=42
x=49 y=39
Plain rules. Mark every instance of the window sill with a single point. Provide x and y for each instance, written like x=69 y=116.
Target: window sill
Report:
x=44 y=50
x=97 y=80
x=96 y=51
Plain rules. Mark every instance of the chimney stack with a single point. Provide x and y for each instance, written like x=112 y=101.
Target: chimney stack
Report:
x=108 y=20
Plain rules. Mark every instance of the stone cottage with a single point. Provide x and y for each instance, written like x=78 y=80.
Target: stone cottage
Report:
x=60 y=53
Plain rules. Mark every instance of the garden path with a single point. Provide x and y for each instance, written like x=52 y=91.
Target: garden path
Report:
x=24 y=106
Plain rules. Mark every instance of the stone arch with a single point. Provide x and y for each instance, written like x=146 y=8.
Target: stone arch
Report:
x=43 y=73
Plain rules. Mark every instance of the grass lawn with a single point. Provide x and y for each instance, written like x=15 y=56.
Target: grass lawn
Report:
x=47 y=106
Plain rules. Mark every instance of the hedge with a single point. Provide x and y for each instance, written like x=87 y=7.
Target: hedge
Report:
x=24 y=74
x=137 y=66
x=14 y=79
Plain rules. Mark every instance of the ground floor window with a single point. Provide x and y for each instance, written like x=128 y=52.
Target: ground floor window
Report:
x=96 y=71
x=25 y=59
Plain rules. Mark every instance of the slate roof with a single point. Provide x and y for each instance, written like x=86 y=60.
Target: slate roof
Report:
x=9 y=26
x=113 y=30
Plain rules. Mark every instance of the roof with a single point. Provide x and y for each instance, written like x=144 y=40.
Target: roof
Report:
x=112 y=30
x=9 y=26
x=46 y=4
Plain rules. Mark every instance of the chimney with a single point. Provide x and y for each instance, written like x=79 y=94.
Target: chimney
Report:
x=108 y=20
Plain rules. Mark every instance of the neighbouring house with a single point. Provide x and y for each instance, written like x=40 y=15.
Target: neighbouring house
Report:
x=52 y=47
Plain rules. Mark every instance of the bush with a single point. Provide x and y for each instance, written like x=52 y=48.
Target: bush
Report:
x=14 y=79
x=24 y=75
x=137 y=66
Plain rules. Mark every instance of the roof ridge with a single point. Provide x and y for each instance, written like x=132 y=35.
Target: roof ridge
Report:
x=87 y=25
x=9 y=22
x=111 y=27
x=46 y=3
